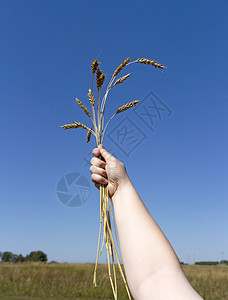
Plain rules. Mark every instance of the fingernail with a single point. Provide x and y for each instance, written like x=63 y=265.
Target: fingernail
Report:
x=101 y=146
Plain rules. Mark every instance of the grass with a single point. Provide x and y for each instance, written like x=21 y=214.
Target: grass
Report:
x=36 y=281
x=211 y=282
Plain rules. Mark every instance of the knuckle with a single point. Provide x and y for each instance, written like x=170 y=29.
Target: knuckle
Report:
x=121 y=164
x=114 y=160
x=92 y=178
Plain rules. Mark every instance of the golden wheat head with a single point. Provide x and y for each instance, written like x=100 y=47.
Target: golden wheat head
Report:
x=100 y=78
x=150 y=62
x=94 y=66
x=74 y=126
x=88 y=136
x=91 y=97
x=127 y=106
x=120 y=80
x=83 y=107
x=121 y=66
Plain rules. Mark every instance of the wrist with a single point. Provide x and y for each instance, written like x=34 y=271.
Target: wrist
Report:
x=123 y=185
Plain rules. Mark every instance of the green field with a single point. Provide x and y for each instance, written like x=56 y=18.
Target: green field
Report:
x=36 y=281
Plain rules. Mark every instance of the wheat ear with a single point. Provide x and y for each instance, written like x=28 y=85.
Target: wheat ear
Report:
x=92 y=102
x=120 y=80
x=100 y=78
x=83 y=108
x=148 y=62
x=94 y=66
x=91 y=97
x=88 y=136
x=100 y=81
x=121 y=66
x=127 y=106
x=75 y=125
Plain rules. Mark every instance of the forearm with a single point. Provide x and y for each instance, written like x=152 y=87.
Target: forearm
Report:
x=147 y=255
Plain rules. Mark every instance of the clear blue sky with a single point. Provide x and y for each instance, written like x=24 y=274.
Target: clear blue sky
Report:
x=179 y=170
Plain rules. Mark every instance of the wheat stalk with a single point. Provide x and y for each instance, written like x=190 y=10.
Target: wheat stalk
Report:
x=99 y=131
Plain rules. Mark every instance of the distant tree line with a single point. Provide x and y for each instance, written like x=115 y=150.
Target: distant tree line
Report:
x=211 y=263
x=35 y=256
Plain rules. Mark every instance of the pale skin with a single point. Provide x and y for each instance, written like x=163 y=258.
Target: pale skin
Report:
x=152 y=269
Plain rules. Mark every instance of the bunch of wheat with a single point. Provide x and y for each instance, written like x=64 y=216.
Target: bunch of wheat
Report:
x=98 y=130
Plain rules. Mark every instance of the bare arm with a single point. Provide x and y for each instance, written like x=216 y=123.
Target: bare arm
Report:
x=152 y=268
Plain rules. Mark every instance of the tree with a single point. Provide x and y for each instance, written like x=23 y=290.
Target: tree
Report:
x=209 y=263
x=20 y=258
x=36 y=256
x=8 y=256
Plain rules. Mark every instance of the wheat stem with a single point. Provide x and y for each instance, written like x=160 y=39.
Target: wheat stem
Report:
x=113 y=221
x=98 y=247
x=92 y=102
x=108 y=246
x=118 y=262
x=106 y=127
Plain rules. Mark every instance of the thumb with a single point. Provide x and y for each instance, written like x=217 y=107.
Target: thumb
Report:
x=106 y=155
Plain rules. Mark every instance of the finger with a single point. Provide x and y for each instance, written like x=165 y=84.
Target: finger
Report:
x=98 y=162
x=99 y=179
x=99 y=171
x=106 y=155
x=96 y=152
x=97 y=185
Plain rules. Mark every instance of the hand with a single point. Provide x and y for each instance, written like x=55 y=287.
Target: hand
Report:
x=111 y=171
